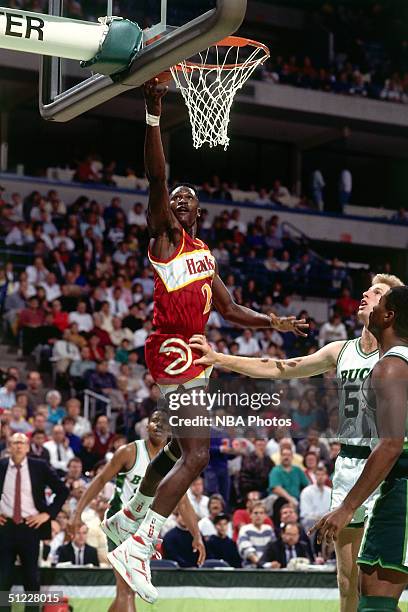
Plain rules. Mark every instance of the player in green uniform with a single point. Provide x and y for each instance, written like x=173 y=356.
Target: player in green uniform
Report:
x=128 y=466
x=383 y=557
x=353 y=361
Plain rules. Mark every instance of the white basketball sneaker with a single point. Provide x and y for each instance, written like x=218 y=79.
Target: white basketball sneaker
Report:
x=132 y=561
x=120 y=526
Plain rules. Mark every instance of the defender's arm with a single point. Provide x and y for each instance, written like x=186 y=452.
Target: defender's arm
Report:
x=300 y=367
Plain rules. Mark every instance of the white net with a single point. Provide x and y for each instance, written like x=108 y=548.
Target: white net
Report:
x=209 y=86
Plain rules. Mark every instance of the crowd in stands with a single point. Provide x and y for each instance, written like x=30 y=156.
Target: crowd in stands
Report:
x=80 y=310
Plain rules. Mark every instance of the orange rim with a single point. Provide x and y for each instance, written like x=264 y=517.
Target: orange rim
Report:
x=230 y=41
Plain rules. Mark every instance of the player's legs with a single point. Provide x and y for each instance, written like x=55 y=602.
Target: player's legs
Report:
x=125 y=597
x=158 y=468
x=132 y=558
x=347 y=547
x=380 y=588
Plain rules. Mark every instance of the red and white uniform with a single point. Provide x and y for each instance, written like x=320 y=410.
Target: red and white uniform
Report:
x=182 y=305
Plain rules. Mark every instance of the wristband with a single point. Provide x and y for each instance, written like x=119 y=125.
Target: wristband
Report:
x=152 y=120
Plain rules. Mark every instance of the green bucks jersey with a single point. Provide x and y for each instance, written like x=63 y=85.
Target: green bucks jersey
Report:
x=127 y=483
x=356 y=418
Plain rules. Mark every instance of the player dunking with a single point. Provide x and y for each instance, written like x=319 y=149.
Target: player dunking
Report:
x=128 y=466
x=383 y=557
x=353 y=361
x=186 y=285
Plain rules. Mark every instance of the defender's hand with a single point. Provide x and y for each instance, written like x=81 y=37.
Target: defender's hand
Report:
x=290 y=324
x=200 y=343
x=330 y=525
x=153 y=94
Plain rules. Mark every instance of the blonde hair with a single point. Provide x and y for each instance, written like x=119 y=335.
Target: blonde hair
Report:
x=387 y=279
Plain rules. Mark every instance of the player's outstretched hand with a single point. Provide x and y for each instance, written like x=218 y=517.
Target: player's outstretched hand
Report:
x=290 y=324
x=330 y=525
x=200 y=344
x=153 y=94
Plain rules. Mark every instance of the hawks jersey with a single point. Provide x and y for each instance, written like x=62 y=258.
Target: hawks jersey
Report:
x=127 y=483
x=356 y=418
x=183 y=288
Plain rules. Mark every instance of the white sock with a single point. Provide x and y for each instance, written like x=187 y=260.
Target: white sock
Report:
x=150 y=529
x=138 y=506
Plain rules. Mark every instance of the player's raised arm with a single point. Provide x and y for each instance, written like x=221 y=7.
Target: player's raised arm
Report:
x=300 y=367
x=159 y=216
x=245 y=317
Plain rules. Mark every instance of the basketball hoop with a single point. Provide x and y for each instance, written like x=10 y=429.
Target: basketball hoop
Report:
x=210 y=84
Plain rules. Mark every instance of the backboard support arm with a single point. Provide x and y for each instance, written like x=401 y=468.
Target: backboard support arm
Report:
x=179 y=44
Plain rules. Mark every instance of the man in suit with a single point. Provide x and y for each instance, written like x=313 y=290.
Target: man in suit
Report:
x=278 y=554
x=78 y=552
x=25 y=517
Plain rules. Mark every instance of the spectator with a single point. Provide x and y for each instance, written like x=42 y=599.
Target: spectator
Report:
x=59 y=450
x=286 y=443
x=35 y=390
x=81 y=424
x=318 y=184
x=332 y=331
x=74 y=473
x=29 y=320
x=18 y=423
x=345 y=187
x=80 y=367
x=278 y=554
x=100 y=380
x=346 y=305
x=287 y=480
x=64 y=353
x=68 y=424
x=87 y=454
x=37 y=450
x=59 y=317
x=315 y=499
x=103 y=436
x=178 y=544
x=220 y=546
x=7 y=393
x=56 y=412
x=78 y=552
x=198 y=500
x=82 y=318
x=216 y=505
x=248 y=345
x=254 y=537
x=242 y=516
x=255 y=469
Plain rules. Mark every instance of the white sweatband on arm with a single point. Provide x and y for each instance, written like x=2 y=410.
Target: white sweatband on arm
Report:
x=152 y=120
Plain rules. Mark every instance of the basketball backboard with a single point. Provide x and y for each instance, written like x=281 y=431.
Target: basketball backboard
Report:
x=173 y=30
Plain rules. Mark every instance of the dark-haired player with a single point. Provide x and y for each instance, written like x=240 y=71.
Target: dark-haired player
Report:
x=128 y=466
x=383 y=557
x=186 y=286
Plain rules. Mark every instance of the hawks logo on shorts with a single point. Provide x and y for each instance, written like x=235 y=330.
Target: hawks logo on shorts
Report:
x=182 y=305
